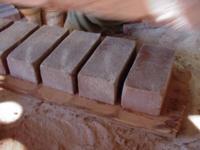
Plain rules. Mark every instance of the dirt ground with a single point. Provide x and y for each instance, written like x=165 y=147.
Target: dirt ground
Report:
x=47 y=126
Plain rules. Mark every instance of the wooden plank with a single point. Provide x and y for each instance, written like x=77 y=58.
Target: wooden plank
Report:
x=25 y=60
x=61 y=67
x=146 y=85
x=10 y=38
x=100 y=79
x=167 y=125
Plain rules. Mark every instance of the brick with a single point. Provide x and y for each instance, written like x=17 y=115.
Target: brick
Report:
x=4 y=23
x=12 y=14
x=60 y=69
x=146 y=85
x=25 y=60
x=100 y=79
x=2 y=5
x=10 y=38
x=6 y=7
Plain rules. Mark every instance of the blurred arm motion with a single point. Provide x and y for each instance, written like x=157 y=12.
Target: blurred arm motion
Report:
x=178 y=12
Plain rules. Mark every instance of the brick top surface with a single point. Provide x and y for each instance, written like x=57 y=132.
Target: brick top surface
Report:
x=38 y=43
x=108 y=58
x=71 y=51
x=152 y=65
x=4 y=22
x=6 y=7
x=13 y=34
x=9 y=12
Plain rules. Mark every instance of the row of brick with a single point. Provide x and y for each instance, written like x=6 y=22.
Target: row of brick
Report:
x=84 y=63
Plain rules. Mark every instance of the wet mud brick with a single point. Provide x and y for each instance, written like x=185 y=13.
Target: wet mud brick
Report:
x=4 y=23
x=2 y=5
x=147 y=81
x=10 y=38
x=100 y=78
x=6 y=7
x=12 y=14
x=25 y=60
x=60 y=69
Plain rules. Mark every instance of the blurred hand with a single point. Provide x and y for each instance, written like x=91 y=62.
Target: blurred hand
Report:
x=179 y=13
x=127 y=10
x=191 y=12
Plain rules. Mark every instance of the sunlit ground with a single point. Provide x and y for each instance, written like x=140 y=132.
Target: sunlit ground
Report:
x=10 y=144
x=195 y=119
x=10 y=112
